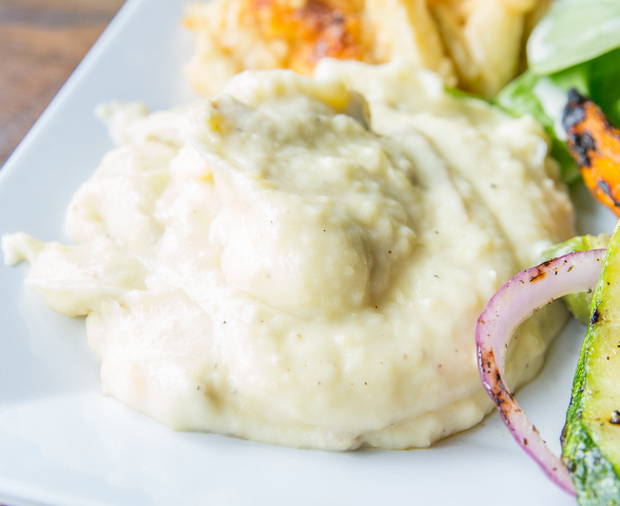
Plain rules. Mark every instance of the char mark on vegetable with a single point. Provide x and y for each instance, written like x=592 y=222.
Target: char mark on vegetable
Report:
x=582 y=145
x=606 y=189
x=594 y=144
x=575 y=97
x=540 y=272
x=573 y=112
x=596 y=317
x=502 y=397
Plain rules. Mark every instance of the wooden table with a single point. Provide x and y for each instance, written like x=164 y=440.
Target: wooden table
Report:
x=41 y=43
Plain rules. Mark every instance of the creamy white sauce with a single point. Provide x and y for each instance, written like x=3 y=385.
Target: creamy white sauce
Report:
x=280 y=265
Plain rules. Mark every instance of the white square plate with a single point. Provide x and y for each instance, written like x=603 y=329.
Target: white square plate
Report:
x=62 y=443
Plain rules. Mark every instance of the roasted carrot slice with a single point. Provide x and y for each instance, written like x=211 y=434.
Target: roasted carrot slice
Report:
x=595 y=146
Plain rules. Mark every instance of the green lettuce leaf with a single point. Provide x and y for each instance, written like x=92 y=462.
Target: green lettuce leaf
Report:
x=573 y=32
x=544 y=97
x=576 y=45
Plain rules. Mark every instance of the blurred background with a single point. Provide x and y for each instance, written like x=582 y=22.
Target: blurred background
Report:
x=41 y=43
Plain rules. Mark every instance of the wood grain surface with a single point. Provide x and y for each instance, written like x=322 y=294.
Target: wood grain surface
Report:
x=41 y=43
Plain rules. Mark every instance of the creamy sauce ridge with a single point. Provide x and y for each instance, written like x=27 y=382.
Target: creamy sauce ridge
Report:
x=302 y=262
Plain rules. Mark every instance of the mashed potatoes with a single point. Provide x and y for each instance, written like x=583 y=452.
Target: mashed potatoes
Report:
x=293 y=263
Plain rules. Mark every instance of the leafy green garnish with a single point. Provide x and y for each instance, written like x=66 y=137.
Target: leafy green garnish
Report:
x=576 y=45
x=544 y=97
x=573 y=32
x=604 y=77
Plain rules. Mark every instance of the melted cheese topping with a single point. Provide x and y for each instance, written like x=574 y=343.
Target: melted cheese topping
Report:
x=275 y=265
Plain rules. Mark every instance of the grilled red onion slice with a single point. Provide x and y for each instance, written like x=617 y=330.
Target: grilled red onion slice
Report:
x=516 y=301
